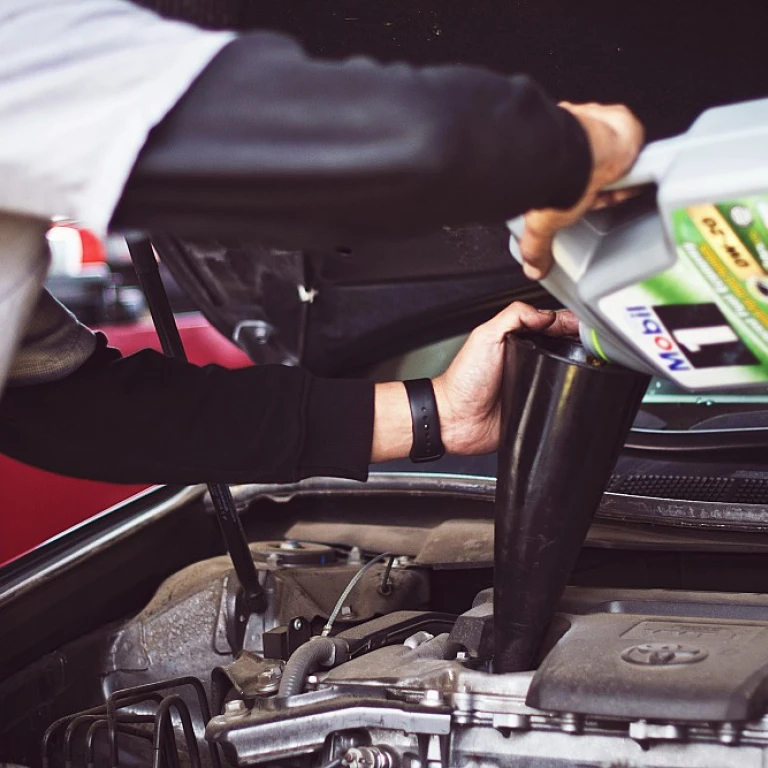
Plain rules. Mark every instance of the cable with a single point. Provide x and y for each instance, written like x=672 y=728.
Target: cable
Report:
x=345 y=594
x=385 y=588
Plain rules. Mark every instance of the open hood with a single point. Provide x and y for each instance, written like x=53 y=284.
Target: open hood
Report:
x=339 y=312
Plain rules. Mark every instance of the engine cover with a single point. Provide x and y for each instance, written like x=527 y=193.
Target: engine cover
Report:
x=635 y=679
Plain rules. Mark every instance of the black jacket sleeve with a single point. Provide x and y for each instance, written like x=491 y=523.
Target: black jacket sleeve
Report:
x=149 y=419
x=308 y=152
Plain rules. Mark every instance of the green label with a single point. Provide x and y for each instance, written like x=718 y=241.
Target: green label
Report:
x=704 y=322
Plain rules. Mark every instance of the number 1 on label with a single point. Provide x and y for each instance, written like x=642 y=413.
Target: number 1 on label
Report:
x=693 y=339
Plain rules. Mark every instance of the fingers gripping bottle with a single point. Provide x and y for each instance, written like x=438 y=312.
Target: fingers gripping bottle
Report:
x=675 y=282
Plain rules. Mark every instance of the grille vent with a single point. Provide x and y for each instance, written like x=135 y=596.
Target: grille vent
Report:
x=731 y=490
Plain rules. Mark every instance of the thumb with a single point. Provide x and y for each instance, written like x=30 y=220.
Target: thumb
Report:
x=536 y=244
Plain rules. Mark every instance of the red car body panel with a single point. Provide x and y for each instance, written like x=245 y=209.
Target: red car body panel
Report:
x=37 y=505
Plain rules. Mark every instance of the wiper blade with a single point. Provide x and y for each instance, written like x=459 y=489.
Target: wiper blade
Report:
x=699 y=440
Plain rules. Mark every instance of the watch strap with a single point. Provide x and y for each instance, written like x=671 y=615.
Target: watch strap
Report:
x=425 y=420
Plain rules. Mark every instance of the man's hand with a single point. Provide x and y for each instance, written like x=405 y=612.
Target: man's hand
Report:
x=615 y=138
x=468 y=393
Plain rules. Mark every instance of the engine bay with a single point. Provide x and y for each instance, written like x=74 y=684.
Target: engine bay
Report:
x=638 y=668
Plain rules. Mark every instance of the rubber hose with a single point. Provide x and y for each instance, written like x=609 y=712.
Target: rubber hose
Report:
x=315 y=653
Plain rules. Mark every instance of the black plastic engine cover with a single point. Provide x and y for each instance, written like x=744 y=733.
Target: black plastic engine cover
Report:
x=656 y=667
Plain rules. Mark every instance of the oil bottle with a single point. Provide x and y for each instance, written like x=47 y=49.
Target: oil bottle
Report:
x=675 y=282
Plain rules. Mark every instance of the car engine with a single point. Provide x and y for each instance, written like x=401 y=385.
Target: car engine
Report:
x=359 y=661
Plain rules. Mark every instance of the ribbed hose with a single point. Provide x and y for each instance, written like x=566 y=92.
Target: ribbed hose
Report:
x=306 y=659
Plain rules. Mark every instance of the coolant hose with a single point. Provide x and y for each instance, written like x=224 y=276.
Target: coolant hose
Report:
x=306 y=659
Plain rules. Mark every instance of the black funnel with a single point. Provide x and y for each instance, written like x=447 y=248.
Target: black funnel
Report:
x=565 y=417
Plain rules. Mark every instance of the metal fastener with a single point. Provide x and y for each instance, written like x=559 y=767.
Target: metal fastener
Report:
x=643 y=731
x=369 y=757
x=235 y=708
x=432 y=698
x=729 y=734
x=571 y=723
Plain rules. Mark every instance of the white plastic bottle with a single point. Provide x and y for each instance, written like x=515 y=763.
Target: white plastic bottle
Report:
x=676 y=284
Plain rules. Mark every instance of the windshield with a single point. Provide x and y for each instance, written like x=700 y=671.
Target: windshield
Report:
x=667 y=406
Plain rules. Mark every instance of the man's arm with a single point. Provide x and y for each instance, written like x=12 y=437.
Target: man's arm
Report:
x=150 y=419
x=303 y=150
x=147 y=418
x=251 y=134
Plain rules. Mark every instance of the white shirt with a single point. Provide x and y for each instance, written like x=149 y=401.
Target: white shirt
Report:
x=82 y=82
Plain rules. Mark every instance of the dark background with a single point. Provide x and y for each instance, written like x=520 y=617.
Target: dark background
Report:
x=668 y=59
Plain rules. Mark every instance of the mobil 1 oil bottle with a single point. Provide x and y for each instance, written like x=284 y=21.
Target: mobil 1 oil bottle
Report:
x=675 y=282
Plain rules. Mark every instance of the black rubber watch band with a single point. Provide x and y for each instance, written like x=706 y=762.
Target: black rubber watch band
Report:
x=427 y=443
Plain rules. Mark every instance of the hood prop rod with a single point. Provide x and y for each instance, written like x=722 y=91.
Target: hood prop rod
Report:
x=147 y=271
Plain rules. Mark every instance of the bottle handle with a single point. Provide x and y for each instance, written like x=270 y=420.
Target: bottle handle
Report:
x=651 y=164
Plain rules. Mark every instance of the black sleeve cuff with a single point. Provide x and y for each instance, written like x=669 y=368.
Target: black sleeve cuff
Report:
x=575 y=161
x=339 y=429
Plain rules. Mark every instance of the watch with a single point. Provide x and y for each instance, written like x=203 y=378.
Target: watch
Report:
x=425 y=420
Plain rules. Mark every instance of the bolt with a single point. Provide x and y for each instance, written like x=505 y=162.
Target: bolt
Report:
x=355 y=556
x=235 y=708
x=297 y=624
x=268 y=681
x=346 y=610
x=312 y=680
x=571 y=723
x=369 y=757
x=432 y=698
x=270 y=675
x=728 y=734
x=506 y=723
